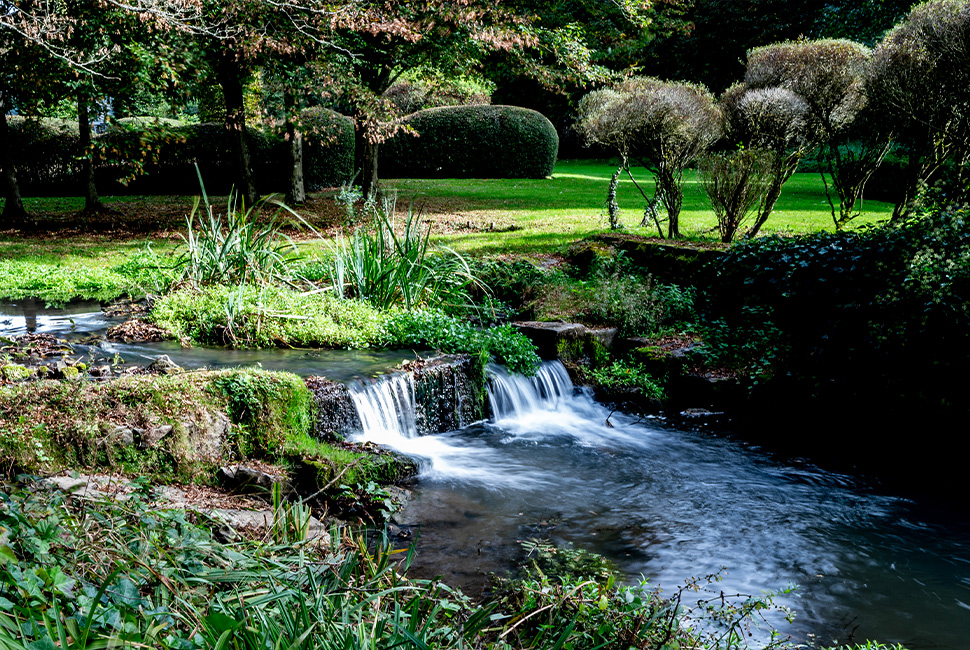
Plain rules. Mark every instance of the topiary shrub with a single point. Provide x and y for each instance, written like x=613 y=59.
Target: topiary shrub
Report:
x=45 y=154
x=472 y=142
x=328 y=148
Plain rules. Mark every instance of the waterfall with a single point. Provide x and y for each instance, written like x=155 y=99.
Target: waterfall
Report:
x=513 y=396
x=386 y=407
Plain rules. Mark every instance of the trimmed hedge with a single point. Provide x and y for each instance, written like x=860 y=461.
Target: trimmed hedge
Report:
x=472 y=142
x=45 y=154
x=166 y=151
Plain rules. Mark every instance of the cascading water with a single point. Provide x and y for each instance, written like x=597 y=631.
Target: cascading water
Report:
x=669 y=504
x=386 y=407
x=512 y=396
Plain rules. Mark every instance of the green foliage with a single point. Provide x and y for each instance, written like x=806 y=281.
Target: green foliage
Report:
x=272 y=407
x=567 y=598
x=144 y=272
x=386 y=268
x=435 y=329
x=112 y=574
x=472 y=142
x=158 y=156
x=857 y=314
x=628 y=375
x=241 y=250
x=267 y=316
x=45 y=153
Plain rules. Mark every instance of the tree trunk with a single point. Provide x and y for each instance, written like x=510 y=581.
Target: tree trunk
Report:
x=92 y=202
x=230 y=78
x=368 y=173
x=14 y=213
x=297 y=192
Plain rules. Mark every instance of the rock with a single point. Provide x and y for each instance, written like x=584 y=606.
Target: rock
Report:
x=548 y=337
x=241 y=477
x=70 y=372
x=207 y=433
x=153 y=436
x=122 y=435
x=16 y=372
x=163 y=365
x=337 y=416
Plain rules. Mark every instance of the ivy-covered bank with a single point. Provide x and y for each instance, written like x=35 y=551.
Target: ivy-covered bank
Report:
x=176 y=428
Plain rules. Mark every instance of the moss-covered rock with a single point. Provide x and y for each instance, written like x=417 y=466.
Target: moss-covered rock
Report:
x=15 y=372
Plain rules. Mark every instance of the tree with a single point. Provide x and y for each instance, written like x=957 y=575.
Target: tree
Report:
x=736 y=182
x=828 y=75
x=773 y=121
x=662 y=125
x=919 y=81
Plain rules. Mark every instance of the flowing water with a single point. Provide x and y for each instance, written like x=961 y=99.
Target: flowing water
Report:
x=661 y=502
x=668 y=504
x=83 y=325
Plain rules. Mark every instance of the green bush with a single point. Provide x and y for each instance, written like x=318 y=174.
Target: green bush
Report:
x=145 y=155
x=472 y=142
x=434 y=329
x=328 y=148
x=45 y=154
x=628 y=375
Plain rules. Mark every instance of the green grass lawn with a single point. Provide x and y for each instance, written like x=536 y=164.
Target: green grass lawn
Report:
x=473 y=216
x=552 y=213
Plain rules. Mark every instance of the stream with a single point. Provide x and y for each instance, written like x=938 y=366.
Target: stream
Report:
x=667 y=504
x=663 y=503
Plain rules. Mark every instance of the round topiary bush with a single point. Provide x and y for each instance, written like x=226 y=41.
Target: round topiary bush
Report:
x=328 y=148
x=45 y=152
x=472 y=142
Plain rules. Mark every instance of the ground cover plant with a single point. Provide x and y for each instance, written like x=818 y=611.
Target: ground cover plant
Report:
x=82 y=573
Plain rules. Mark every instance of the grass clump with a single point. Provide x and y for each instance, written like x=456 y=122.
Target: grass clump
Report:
x=435 y=329
x=389 y=268
x=626 y=375
x=267 y=316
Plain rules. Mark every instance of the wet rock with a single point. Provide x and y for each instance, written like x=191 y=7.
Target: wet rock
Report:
x=337 y=416
x=163 y=365
x=549 y=337
x=241 y=477
x=449 y=393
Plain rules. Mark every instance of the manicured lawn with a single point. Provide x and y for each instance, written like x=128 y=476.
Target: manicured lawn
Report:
x=475 y=216
x=551 y=213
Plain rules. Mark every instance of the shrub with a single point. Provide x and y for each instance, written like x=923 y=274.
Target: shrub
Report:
x=628 y=375
x=663 y=126
x=472 y=142
x=736 y=182
x=328 y=148
x=157 y=156
x=854 y=315
x=434 y=329
x=45 y=154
